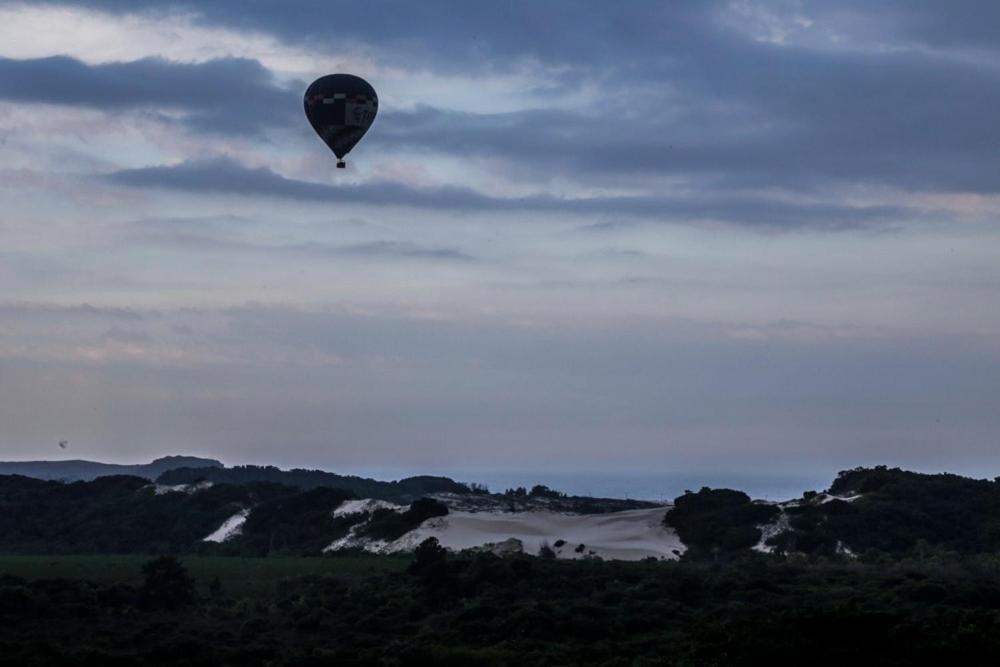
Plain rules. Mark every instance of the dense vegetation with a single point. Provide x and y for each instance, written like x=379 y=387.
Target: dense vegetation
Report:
x=115 y=514
x=482 y=610
x=898 y=512
x=718 y=521
x=292 y=523
x=881 y=512
x=244 y=577
x=403 y=490
x=126 y=515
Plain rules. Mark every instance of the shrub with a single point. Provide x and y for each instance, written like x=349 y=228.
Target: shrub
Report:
x=166 y=584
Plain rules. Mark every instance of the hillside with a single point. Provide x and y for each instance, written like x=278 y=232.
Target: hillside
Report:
x=868 y=512
x=121 y=514
x=404 y=490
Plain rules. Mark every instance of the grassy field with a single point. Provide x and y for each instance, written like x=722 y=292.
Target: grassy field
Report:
x=240 y=577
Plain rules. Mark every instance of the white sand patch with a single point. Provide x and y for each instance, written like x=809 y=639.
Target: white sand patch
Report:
x=847 y=499
x=231 y=527
x=845 y=550
x=160 y=489
x=366 y=505
x=628 y=535
x=780 y=525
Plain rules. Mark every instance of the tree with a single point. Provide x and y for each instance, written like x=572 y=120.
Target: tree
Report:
x=166 y=584
x=542 y=491
x=429 y=559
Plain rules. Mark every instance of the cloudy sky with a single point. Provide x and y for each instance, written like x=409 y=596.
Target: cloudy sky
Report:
x=582 y=236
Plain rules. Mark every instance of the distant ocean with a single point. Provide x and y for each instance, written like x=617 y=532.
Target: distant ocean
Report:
x=657 y=487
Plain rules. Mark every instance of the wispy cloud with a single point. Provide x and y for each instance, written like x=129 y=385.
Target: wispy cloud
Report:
x=233 y=95
x=225 y=176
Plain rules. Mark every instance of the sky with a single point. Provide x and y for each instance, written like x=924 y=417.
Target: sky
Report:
x=621 y=237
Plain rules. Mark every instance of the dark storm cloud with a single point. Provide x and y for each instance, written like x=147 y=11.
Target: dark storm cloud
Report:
x=225 y=95
x=907 y=119
x=758 y=116
x=682 y=92
x=225 y=176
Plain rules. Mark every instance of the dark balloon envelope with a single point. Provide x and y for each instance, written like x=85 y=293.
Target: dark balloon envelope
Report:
x=341 y=108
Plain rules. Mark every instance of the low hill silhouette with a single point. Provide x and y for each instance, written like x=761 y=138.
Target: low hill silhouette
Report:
x=79 y=470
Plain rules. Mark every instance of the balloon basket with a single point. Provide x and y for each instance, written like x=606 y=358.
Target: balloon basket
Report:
x=341 y=164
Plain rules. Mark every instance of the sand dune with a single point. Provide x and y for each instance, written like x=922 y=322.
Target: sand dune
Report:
x=629 y=535
x=229 y=528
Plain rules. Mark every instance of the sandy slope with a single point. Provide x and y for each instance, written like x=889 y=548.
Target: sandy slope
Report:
x=629 y=535
x=229 y=528
x=366 y=505
x=160 y=489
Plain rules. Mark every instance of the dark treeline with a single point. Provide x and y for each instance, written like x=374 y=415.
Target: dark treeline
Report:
x=404 y=490
x=483 y=610
x=116 y=514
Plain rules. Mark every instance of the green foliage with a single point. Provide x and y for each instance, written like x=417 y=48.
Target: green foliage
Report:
x=485 y=610
x=429 y=559
x=897 y=511
x=108 y=515
x=125 y=515
x=542 y=491
x=404 y=490
x=718 y=521
x=292 y=523
x=537 y=491
x=888 y=512
x=166 y=584
x=240 y=577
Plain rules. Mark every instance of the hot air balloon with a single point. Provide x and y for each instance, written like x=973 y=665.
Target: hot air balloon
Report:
x=341 y=108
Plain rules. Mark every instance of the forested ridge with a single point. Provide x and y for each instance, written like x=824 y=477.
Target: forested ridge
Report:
x=403 y=490
x=867 y=513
